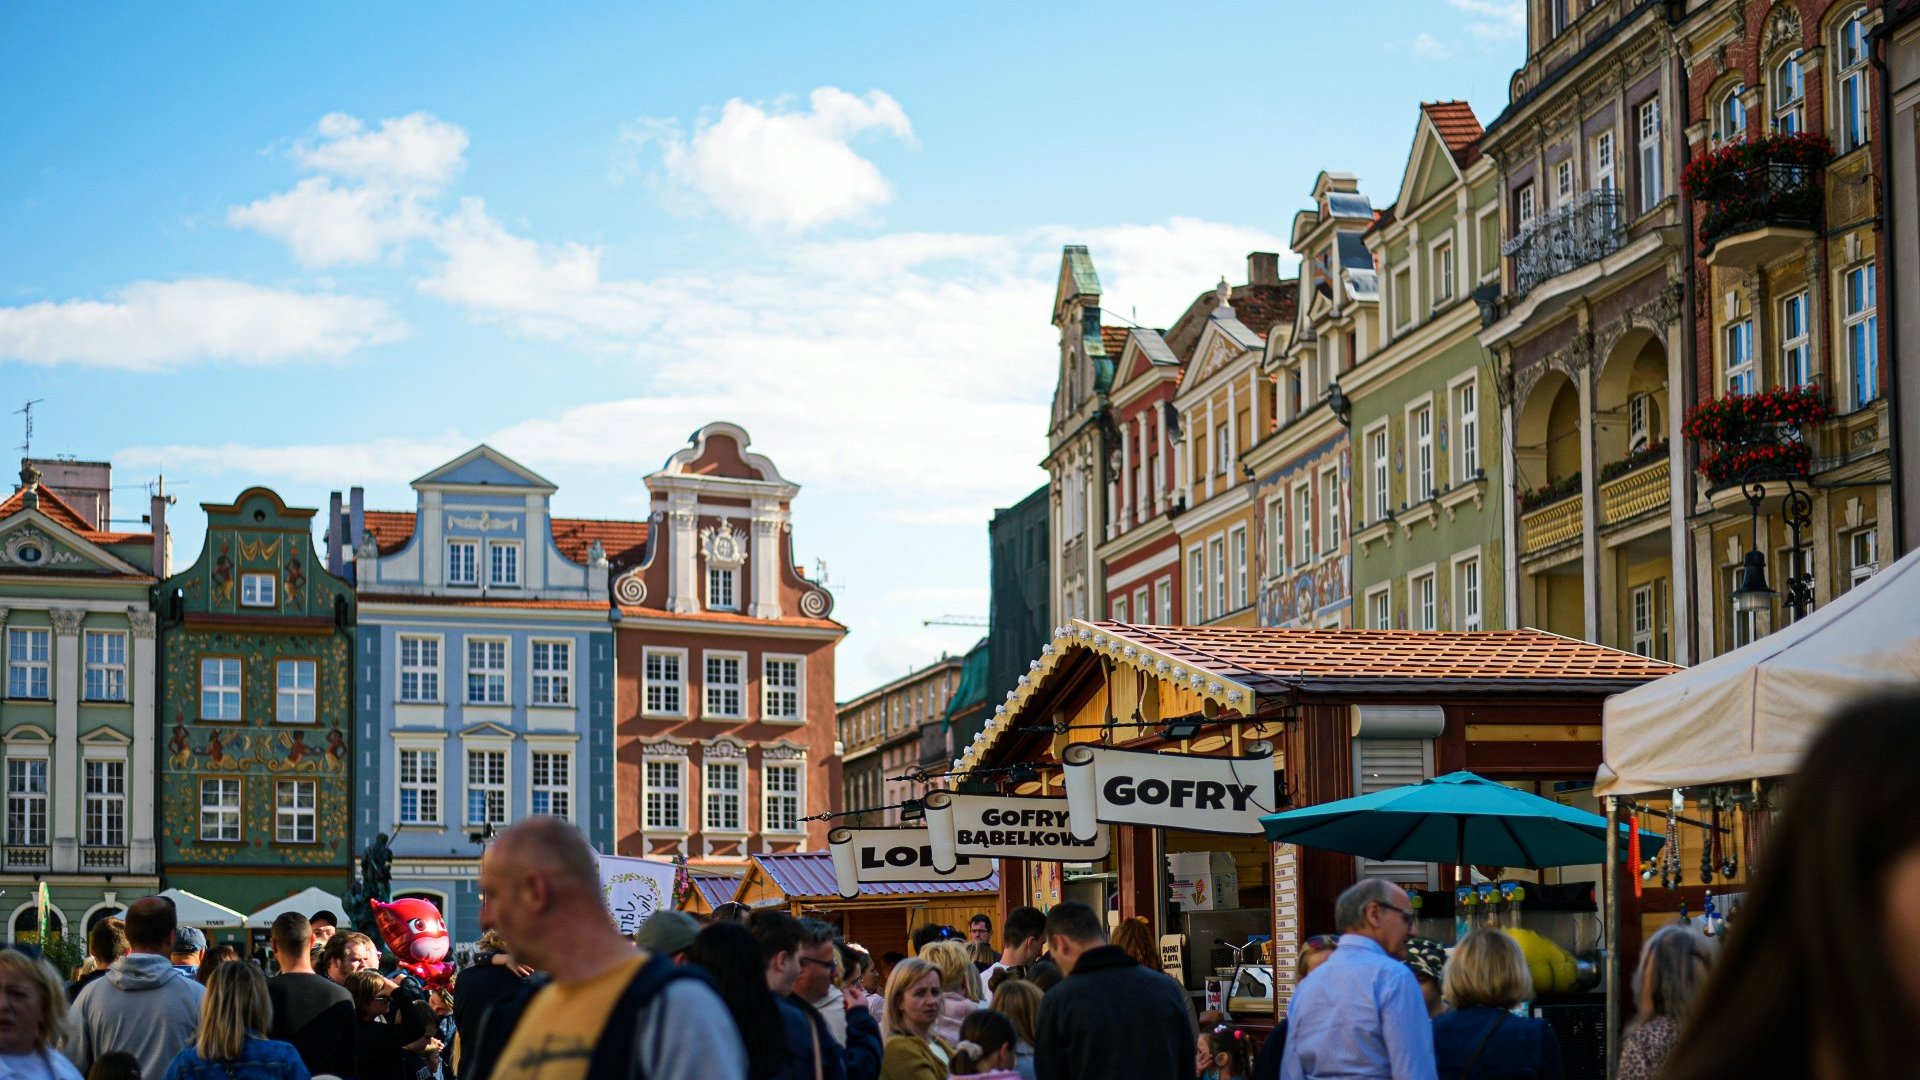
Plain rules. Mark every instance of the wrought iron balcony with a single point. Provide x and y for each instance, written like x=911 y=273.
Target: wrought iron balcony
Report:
x=1759 y=214
x=1565 y=239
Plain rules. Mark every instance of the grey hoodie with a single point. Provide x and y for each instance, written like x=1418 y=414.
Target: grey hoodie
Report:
x=143 y=1006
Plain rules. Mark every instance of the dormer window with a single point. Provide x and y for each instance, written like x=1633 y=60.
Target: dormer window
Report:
x=503 y=565
x=723 y=589
x=463 y=559
x=257 y=590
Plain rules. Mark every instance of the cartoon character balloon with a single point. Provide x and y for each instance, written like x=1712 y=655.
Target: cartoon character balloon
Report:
x=417 y=937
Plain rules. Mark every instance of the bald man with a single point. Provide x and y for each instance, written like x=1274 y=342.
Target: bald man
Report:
x=540 y=888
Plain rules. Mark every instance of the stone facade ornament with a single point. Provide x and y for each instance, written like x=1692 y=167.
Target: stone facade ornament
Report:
x=66 y=621
x=142 y=623
x=631 y=588
x=1783 y=27
x=724 y=546
x=483 y=522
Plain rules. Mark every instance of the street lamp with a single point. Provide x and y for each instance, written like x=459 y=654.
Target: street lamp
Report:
x=1753 y=593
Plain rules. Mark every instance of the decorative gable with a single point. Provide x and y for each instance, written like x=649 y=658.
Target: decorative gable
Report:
x=483 y=466
x=32 y=540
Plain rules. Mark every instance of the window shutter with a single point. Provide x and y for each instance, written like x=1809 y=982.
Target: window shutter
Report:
x=1380 y=764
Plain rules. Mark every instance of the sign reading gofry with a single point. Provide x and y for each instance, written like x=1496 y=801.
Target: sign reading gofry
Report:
x=1006 y=827
x=1174 y=791
x=873 y=856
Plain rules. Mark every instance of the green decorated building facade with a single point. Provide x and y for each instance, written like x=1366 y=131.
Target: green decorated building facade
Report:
x=256 y=696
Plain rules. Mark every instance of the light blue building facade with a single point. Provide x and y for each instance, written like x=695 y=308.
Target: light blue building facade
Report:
x=485 y=688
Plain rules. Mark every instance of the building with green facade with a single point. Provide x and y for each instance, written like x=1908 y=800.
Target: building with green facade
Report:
x=256 y=702
x=1429 y=521
x=76 y=722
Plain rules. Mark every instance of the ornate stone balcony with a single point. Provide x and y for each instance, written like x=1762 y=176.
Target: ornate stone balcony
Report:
x=26 y=858
x=1565 y=239
x=1637 y=492
x=1552 y=525
x=103 y=858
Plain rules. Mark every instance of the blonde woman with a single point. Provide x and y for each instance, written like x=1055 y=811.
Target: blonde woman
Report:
x=913 y=1051
x=960 y=992
x=1019 y=1001
x=228 y=1045
x=1485 y=979
x=33 y=1018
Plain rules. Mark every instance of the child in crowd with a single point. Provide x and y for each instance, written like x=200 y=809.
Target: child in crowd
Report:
x=986 y=1047
x=1224 y=1053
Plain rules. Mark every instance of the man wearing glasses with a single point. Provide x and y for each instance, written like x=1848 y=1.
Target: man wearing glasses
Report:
x=1362 y=1013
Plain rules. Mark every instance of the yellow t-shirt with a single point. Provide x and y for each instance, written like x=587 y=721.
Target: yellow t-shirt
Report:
x=556 y=1035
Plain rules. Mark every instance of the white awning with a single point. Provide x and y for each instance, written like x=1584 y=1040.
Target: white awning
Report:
x=306 y=902
x=1751 y=713
x=201 y=912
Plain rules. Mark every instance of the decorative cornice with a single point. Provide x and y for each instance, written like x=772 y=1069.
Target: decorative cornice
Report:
x=66 y=621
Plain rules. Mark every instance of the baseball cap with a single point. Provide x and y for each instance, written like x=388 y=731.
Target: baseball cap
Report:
x=189 y=939
x=1427 y=957
x=324 y=916
x=666 y=931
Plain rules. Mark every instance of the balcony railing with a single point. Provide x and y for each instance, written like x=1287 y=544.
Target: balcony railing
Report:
x=1565 y=239
x=1552 y=525
x=26 y=858
x=103 y=858
x=1636 y=492
x=1752 y=184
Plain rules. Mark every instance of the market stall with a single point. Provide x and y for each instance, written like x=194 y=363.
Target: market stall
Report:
x=1327 y=714
x=219 y=922
x=709 y=891
x=881 y=917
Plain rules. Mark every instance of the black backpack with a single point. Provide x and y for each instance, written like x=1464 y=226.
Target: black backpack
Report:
x=613 y=1057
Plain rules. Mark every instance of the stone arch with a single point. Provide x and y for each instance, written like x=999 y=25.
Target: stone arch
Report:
x=1632 y=385
x=1546 y=431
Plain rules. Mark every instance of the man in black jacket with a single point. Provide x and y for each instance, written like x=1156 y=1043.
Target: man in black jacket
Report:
x=314 y=1014
x=1110 y=1017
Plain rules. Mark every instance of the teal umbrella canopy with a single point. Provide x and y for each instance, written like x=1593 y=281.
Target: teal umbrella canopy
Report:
x=1457 y=818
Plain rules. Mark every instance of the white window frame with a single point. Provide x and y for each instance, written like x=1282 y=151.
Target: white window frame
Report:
x=223 y=691
x=296 y=697
x=1217 y=567
x=104 y=810
x=1860 y=333
x=723 y=588
x=30 y=654
x=1796 y=345
x=259 y=590
x=1223 y=450
x=1276 y=536
x=775 y=694
x=422 y=780
x=503 y=564
x=1639 y=421
x=1603 y=162
x=1641 y=618
x=1440 y=261
x=426 y=685
x=657 y=704
x=1487 y=236
x=1196 y=585
x=463 y=562
x=1237 y=558
x=29 y=802
x=1403 y=305
x=296 y=818
x=712 y=690
x=542 y=782
x=1423 y=599
x=662 y=767
x=225 y=812
x=1788 y=110
x=1746 y=624
x=1142 y=606
x=106 y=674
x=1469 y=592
x=1423 y=478
x=1525 y=208
x=1850 y=105
x=1120 y=609
x=551 y=685
x=1380 y=607
x=1651 y=157
x=1463 y=401
x=491 y=675
x=1736 y=344
x=1563 y=182
x=486 y=749
x=1164 y=595
x=1863 y=559
x=774 y=799
x=714 y=796
x=1302 y=523
x=1729 y=115
x=1379 y=450
x=1330 y=513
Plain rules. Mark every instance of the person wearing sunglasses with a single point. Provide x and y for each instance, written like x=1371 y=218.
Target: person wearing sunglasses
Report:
x=1362 y=1013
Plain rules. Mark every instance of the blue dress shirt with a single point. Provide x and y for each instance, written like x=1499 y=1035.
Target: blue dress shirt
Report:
x=1360 y=1015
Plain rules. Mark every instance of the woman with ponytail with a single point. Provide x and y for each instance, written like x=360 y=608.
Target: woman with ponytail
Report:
x=986 y=1046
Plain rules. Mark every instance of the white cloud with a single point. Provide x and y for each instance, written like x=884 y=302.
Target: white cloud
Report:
x=375 y=462
x=1494 y=18
x=774 y=166
x=152 y=325
x=388 y=178
x=1427 y=45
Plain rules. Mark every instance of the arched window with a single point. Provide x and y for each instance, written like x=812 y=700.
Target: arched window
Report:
x=1730 y=115
x=101 y=914
x=1850 y=82
x=26 y=926
x=1789 y=92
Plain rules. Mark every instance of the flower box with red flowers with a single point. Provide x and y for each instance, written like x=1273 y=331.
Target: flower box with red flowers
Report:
x=1742 y=432
x=1768 y=180
x=1552 y=491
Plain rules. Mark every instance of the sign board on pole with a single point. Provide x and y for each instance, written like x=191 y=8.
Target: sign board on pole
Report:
x=1006 y=827
x=635 y=888
x=1224 y=795
x=874 y=856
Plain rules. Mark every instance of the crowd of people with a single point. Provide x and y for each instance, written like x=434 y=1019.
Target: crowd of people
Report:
x=556 y=992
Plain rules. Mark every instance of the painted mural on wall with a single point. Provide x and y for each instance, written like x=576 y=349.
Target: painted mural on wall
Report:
x=1324 y=587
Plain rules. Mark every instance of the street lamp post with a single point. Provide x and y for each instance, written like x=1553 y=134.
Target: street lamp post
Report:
x=1796 y=583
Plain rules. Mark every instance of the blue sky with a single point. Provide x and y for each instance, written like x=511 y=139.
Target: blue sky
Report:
x=318 y=246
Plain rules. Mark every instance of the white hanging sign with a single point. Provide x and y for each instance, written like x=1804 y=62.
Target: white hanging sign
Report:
x=1225 y=795
x=877 y=856
x=635 y=888
x=1006 y=827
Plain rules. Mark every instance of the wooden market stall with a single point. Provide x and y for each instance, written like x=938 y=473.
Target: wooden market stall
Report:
x=1346 y=711
x=709 y=891
x=882 y=918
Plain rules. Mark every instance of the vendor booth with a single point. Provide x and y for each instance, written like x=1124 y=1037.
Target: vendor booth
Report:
x=1325 y=715
x=219 y=922
x=708 y=891
x=882 y=917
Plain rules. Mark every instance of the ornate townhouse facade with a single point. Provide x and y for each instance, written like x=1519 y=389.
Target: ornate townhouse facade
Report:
x=1788 y=258
x=726 y=728
x=1140 y=555
x=484 y=674
x=77 y=722
x=1428 y=550
x=1082 y=439
x=1589 y=327
x=256 y=697
x=882 y=731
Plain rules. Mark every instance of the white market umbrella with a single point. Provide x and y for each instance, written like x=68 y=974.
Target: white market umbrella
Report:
x=199 y=911
x=305 y=902
x=1751 y=713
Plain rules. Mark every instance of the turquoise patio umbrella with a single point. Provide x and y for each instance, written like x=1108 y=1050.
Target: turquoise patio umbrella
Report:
x=1459 y=818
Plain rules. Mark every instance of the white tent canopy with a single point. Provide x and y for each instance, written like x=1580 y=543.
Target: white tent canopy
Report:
x=1752 y=712
x=199 y=911
x=306 y=902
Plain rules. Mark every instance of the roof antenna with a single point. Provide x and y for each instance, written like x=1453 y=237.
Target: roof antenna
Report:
x=26 y=447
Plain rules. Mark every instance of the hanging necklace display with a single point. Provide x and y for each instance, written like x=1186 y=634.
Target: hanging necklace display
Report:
x=1672 y=873
x=1647 y=866
x=1710 y=847
x=1729 y=861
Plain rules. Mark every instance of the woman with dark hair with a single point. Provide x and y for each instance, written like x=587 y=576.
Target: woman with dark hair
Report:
x=986 y=1047
x=1798 y=991
x=731 y=958
x=219 y=954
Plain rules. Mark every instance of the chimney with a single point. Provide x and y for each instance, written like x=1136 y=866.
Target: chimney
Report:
x=356 y=522
x=157 y=519
x=1263 y=268
x=336 y=535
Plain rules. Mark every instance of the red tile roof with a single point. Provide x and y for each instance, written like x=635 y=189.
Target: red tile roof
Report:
x=1114 y=340
x=1258 y=307
x=809 y=875
x=56 y=508
x=485 y=602
x=1271 y=661
x=1458 y=128
x=625 y=541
